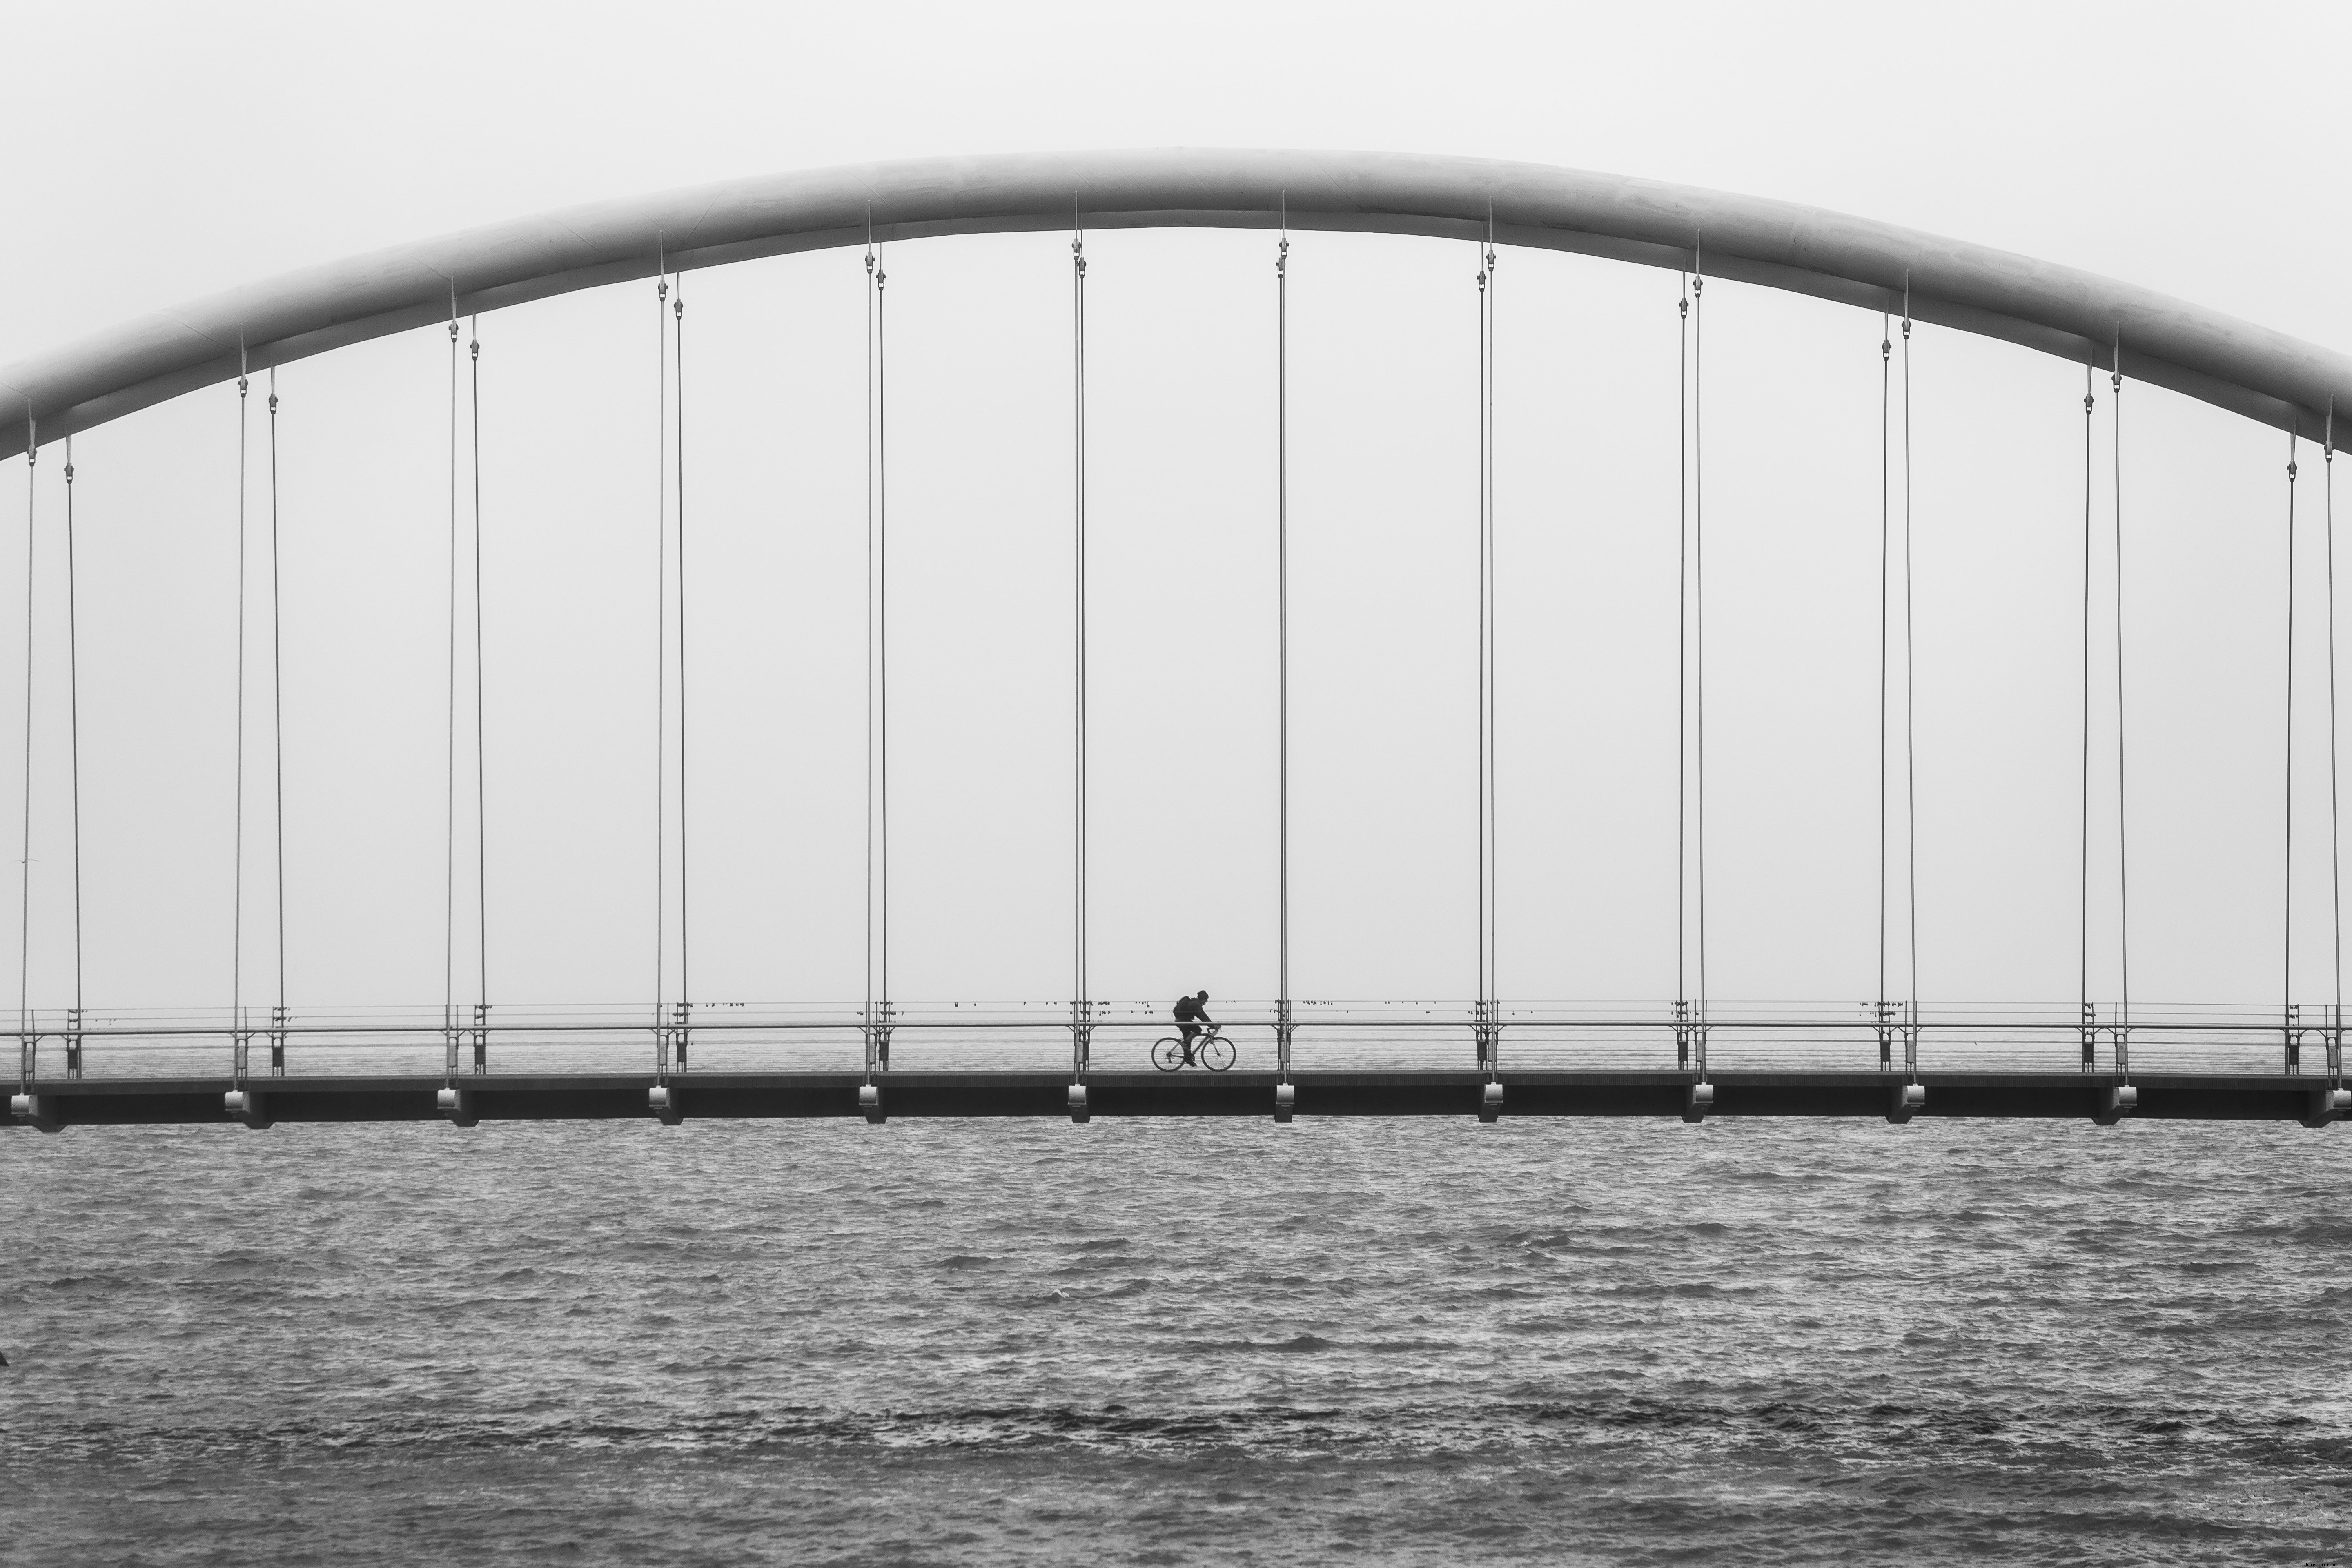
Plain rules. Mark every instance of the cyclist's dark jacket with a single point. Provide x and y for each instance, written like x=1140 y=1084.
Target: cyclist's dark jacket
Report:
x=1189 y=1010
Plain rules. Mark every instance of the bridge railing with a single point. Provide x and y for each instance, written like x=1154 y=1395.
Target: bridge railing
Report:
x=1327 y=1036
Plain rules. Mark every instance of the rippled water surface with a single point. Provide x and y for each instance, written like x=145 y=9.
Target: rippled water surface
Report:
x=1172 y=1341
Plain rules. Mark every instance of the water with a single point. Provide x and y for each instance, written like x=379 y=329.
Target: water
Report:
x=1164 y=1342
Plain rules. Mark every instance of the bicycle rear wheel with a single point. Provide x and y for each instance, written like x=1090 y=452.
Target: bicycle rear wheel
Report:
x=1216 y=1053
x=1168 y=1055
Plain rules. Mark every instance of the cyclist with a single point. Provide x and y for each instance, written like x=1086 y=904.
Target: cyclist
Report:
x=1191 y=1012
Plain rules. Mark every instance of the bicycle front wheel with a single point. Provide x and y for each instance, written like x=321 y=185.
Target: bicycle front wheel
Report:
x=1216 y=1053
x=1169 y=1054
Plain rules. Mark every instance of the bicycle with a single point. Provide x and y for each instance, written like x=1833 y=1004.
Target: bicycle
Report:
x=1211 y=1050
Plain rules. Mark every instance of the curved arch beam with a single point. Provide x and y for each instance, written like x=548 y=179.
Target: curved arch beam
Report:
x=2249 y=370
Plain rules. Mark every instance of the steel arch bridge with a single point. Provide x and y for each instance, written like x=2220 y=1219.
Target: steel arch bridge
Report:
x=2073 y=1066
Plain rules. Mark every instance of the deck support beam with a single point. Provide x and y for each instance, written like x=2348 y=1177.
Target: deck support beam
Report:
x=502 y=1097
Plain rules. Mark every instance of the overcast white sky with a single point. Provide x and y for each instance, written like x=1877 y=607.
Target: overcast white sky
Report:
x=169 y=149
x=166 y=151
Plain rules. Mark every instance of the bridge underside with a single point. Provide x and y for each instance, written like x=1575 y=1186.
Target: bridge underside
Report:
x=736 y=1096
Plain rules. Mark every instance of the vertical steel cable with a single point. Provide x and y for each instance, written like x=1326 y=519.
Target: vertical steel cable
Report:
x=2089 y=403
x=1282 y=626
x=1885 y=532
x=882 y=595
x=1698 y=608
x=25 y=861
x=237 y=877
x=877 y=649
x=2286 y=879
x=277 y=735
x=73 y=710
x=2335 y=801
x=1910 y=692
x=1489 y=672
x=1079 y=994
x=2123 y=834
x=684 y=948
x=1485 y=632
x=1681 y=649
x=449 y=823
x=869 y=628
x=661 y=660
x=481 y=749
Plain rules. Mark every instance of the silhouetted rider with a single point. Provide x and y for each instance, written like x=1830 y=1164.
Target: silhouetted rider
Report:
x=1192 y=1012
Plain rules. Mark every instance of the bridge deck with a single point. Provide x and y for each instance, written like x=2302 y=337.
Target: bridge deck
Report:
x=515 y=1097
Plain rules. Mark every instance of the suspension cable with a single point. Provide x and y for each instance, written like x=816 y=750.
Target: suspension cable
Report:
x=878 y=657
x=1494 y=630
x=276 y=697
x=869 y=630
x=236 y=898
x=1698 y=606
x=2083 y=900
x=1486 y=643
x=661 y=658
x=481 y=749
x=2123 y=835
x=449 y=813
x=1910 y=704
x=2335 y=803
x=685 y=950
x=1282 y=628
x=1681 y=656
x=277 y=748
x=25 y=862
x=2286 y=879
x=1886 y=533
x=73 y=710
x=882 y=593
x=1078 y=976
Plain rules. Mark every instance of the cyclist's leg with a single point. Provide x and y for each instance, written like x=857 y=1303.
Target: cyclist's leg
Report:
x=1192 y=1034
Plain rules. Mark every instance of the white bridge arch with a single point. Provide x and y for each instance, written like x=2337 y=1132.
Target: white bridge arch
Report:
x=2249 y=370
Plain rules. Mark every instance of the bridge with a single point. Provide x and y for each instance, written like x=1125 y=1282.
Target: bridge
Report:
x=1490 y=1051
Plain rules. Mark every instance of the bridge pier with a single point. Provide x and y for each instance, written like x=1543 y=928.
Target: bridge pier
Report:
x=1082 y=1033
x=35 y=1111
x=2117 y=1100
x=1286 y=1093
x=2327 y=1105
x=1904 y=1101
